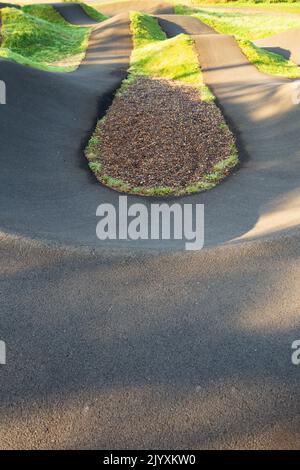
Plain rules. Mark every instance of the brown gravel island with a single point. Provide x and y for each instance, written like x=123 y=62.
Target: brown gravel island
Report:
x=160 y=138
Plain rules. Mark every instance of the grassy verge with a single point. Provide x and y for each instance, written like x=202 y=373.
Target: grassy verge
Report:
x=247 y=27
x=39 y=37
x=268 y=62
x=244 y=25
x=173 y=59
x=285 y=6
x=93 y=13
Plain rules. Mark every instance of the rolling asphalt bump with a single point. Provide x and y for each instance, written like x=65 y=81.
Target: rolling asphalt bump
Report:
x=137 y=348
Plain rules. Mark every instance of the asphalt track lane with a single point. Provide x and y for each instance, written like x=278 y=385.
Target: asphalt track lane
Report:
x=286 y=44
x=182 y=24
x=73 y=13
x=110 y=350
x=148 y=6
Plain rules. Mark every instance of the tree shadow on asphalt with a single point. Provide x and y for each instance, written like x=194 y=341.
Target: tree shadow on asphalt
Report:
x=165 y=351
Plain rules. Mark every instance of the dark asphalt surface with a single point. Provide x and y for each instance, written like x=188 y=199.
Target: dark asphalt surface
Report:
x=73 y=13
x=136 y=350
x=286 y=44
x=182 y=351
x=55 y=196
x=9 y=5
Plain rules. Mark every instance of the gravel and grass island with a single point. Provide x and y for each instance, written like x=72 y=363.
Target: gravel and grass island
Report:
x=163 y=135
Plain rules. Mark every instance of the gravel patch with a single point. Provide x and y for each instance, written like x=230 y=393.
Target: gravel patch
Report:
x=160 y=134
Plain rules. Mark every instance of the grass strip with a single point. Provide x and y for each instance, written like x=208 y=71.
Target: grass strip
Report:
x=93 y=13
x=44 y=12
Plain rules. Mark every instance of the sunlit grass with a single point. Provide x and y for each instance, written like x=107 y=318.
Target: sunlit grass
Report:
x=39 y=37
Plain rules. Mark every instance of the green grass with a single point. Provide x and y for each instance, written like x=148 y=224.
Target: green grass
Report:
x=175 y=59
x=268 y=62
x=247 y=27
x=286 y=6
x=44 y=12
x=39 y=37
x=93 y=13
x=145 y=30
x=243 y=25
